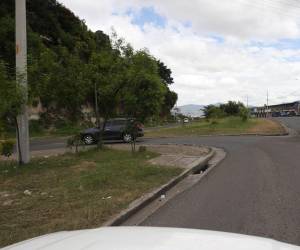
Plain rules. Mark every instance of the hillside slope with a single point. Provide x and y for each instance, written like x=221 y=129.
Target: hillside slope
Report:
x=66 y=61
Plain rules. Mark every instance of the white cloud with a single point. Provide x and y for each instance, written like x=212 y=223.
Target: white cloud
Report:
x=205 y=69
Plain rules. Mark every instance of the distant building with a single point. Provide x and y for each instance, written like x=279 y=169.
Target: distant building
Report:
x=284 y=108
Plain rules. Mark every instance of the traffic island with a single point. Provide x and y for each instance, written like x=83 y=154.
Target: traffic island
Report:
x=78 y=191
x=192 y=159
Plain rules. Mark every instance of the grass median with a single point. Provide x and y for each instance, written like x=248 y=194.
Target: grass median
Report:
x=224 y=126
x=72 y=192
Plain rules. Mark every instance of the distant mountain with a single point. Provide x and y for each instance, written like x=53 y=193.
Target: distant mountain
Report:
x=192 y=110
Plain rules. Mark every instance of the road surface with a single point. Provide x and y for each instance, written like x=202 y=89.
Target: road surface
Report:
x=254 y=191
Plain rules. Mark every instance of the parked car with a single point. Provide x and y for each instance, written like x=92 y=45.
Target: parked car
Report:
x=186 y=120
x=292 y=113
x=283 y=114
x=276 y=114
x=115 y=129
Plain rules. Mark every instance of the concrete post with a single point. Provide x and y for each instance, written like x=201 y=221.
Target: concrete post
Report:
x=21 y=77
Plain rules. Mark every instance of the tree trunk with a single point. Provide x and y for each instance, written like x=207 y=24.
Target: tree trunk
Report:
x=18 y=142
x=97 y=107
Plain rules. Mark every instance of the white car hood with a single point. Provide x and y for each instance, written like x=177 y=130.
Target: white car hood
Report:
x=140 y=238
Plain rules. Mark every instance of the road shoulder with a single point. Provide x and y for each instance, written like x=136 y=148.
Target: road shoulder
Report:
x=141 y=208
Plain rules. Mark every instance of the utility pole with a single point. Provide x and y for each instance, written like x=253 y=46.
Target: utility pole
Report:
x=21 y=78
x=96 y=105
x=267 y=103
x=248 y=111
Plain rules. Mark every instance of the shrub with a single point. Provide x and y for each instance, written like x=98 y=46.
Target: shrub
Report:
x=217 y=113
x=244 y=114
x=35 y=126
x=74 y=141
x=7 y=148
x=214 y=122
x=142 y=149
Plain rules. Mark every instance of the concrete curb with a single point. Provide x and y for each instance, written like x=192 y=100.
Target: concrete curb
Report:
x=146 y=199
x=289 y=131
x=220 y=135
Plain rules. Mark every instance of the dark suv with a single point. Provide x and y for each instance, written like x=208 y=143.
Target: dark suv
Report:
x=115 y=129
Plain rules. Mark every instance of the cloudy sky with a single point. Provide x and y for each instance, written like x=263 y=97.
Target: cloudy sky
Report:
x=217 y=50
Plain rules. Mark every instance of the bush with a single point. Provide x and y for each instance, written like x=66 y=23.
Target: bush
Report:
x=35 y=127
x=7 y=148
x=224 y=110
x=232 y=108
x=216 y=113
x=244 y=114
x=214 y=123
x=142 y=149
x=74 y=141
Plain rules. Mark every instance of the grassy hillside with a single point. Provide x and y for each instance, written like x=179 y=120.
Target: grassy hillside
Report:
x=68 y=63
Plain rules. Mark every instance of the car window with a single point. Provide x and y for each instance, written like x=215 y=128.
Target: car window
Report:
x=109 y=124
x=119 y=122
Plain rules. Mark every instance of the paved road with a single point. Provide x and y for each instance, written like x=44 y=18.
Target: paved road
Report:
x=47 y=144
x=254 y=191
x=291 y=122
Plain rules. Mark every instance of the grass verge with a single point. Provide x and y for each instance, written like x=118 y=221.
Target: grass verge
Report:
x=72 y=192
x=224 y=126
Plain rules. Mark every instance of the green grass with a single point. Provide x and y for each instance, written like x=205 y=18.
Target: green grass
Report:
x=72 y=192
x=224 y=126
x=40 y=132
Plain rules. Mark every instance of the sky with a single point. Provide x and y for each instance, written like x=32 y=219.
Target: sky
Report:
x=217 y=50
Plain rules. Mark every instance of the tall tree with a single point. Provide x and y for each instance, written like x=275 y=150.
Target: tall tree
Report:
x=144 y=96
x=165 y=73
x=11 y=99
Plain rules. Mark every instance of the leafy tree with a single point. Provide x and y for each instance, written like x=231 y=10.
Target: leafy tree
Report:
x=244 y=113
x=170 y=97
x=165 y=73
x=232 y=108
x=229 y=109
x=68 y=64
x=170 y=100
x=212 y=111
x=11 y=99
x=143 y=97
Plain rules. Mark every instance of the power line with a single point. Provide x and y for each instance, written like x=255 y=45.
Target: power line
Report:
x=275 y=4
x=264 y=5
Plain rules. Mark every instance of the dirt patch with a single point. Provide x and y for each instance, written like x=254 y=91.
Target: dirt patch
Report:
x=266 y=126
x=84 y=166
x=186 y=150
x=179 y=149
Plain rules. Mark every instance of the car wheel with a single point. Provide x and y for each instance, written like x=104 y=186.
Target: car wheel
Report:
x=88 y=140
x=127 y=138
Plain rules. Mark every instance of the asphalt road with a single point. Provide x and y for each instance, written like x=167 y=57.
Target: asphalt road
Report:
x=254 y=191
x=291 y=122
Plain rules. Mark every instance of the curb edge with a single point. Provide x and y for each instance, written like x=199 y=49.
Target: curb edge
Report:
x=146 y=199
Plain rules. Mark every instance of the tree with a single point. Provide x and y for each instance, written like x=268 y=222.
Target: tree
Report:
x=143 y=97
x=170 y=97
x=212 y=111
x=108 y=75
x=11 y=99
x=232 y=108
x=68 y=64
x=165 y=73
x=170 y=100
